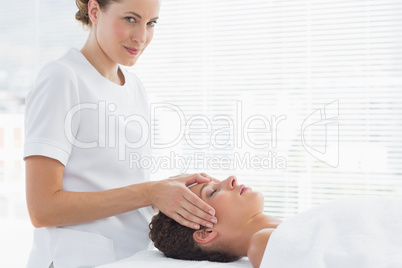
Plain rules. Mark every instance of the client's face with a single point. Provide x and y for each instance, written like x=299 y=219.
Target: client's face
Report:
x=235 y=205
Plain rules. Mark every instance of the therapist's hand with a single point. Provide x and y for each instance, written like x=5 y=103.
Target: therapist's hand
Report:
x=173 y=198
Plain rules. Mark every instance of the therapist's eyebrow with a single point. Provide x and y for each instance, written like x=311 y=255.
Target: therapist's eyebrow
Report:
x=139 y=16
x=202 y=188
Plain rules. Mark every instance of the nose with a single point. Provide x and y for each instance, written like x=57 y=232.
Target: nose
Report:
x=230 y=182
x=140 y=34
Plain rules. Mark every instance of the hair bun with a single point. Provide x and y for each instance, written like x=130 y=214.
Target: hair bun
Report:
x=82 y=13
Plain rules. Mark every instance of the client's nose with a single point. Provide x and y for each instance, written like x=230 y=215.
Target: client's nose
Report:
x=231 y=182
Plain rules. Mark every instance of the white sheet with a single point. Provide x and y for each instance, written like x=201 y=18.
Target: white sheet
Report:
x=355 y=232
x=155 y=259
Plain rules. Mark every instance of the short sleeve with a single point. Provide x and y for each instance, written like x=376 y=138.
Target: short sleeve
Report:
x=48 y=116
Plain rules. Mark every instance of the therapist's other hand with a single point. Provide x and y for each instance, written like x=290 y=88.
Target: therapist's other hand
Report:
x=173 y=198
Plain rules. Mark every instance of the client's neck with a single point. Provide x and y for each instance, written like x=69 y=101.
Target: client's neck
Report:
x=258 y=222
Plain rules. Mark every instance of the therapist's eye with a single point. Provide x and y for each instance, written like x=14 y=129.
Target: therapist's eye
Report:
x=152 y=23
x=129 y=19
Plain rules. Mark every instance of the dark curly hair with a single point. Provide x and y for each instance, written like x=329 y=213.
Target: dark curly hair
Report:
x=176 y=241
x=82 y=13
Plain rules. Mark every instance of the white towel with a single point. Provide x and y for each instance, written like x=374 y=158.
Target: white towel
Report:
x=156 y=259
x=354 y=232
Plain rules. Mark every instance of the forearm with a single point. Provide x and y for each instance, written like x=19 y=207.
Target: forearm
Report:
x=67 y=208
x=49 y=205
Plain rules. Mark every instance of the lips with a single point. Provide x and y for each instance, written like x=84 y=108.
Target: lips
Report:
x=242 y=189
x=132 y=51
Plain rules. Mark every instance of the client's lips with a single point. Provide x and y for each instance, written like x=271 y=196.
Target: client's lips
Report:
x=242 y=189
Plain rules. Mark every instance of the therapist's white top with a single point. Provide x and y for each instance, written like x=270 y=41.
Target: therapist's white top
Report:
x=97 y=130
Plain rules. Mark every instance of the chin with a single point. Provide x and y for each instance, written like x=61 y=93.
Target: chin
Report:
x=255 y=198
x=128 y=63
x=258 y=199
x=127 y=60
x=253 y=205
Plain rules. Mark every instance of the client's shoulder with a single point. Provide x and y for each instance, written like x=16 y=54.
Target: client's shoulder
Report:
x=257 y=246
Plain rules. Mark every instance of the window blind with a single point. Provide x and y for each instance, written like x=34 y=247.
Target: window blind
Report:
x=317 y=82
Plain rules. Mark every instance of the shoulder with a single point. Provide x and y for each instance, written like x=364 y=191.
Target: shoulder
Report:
x=55 y=81
x=57 y=70
x=56 y=77
x=257 y=246
x=63 y=69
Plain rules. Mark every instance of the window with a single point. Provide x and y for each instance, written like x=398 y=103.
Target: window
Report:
x=317 y=82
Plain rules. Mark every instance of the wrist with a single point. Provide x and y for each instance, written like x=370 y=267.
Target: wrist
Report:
x=149 y=192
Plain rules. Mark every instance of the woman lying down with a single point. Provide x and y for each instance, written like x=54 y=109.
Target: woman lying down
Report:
x=349 y=232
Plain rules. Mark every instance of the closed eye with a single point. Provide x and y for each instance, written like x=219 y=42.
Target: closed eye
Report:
x=213 y=192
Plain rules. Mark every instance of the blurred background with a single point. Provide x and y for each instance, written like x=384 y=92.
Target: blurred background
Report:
x=301 y=100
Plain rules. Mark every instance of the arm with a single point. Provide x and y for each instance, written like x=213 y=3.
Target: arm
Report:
x=49 y=205
x=257 y=246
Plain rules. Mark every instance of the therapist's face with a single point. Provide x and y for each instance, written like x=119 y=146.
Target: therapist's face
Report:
x=125 y=28
x=234 y=205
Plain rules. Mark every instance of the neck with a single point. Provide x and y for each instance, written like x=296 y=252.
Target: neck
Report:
x=99 y=59
x=257 y=223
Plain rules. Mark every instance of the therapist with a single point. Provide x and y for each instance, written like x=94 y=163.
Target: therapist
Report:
x=85 y=117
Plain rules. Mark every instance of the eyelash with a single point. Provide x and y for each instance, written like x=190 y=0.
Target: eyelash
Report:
x=213 y=192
